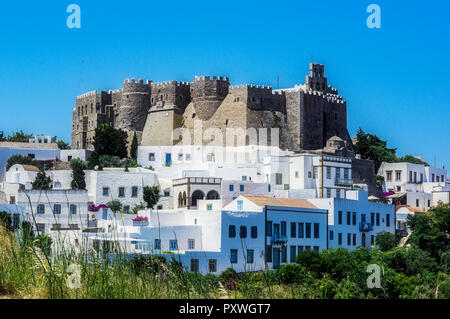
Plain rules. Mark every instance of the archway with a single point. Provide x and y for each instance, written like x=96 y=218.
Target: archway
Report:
x=184 y=199
x=213 y=195
x=180 y=200
x=198 y=194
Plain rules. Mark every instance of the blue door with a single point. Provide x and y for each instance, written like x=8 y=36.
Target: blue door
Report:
x=168 y=159
x=105 y=213
x=276 y=258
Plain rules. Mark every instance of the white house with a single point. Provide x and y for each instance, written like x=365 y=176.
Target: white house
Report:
x=355 y=221
x=402 y=214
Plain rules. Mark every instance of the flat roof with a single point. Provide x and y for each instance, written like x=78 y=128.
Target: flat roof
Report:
x=281 y=202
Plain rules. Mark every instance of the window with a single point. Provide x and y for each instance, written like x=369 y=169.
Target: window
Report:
x=40 y=228
x=339 y=239
x=316 y=248
x=134 y=191
x=296 y=174
x=180 y=157
x=293 y=230
x=105 y=191
x=354 y=218
x=12 y=200
x=398 y=176
x=73 y=209
x=372 y=218
x=292 y=253
x=121 y=191
x=331 y=235
x=231 y=231
x=432 y=178
x=309 y=174
x=378 y=219
x=278 y=178
x=243 y=231
x=269 y=228
x=308 y=230
x=315 y=172
x=57 y=209
x=428 y=203
x=388 y=220
x=250 y=256
x=354 y=239
x=388 y=176
x=157 y=244
x=349 y=239
x=301 y=227
x=240 y=205
x=231 y=187
x=269 y=254
x=188 y=158
x=349 y=222
x=338 y=193
x=338 y=172
x=316 y=230
x=372 y=239
x=417 y=202
x=233 y=256
x=307 y=248
x=191 y=243
x=346 y=173
x=283 y=254
x=415 y=177
x=300 y=250
x=340 y=217
x=328 y=192
x=57 y=184
x=194 y=265
x=210 y=157
x=254 y=232
x=173 y=244
x=328 y=172
x=283 y=228
x=126 y=208
x=151 y=157
x=209 y=207
x=241 y=188
x=244 y=178
x=212 y=265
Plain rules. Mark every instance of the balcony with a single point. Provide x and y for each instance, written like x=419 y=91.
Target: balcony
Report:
x=365 y=227
x=343 y=181
x=279 y=240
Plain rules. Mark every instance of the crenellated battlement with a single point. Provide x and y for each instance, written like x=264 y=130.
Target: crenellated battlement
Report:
x=169 y=84
x=211 y=78
x=87 y=94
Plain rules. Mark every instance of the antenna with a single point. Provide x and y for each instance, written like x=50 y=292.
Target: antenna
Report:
x=82 y=75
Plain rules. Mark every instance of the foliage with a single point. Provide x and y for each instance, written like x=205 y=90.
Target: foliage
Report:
x=134 y=147
x=430 y=232
x=44 y=242
x=19 y=159
x=6 y=220
x=151 y=195
x=292 y=273
x=42 y=182
x=411 y=159
x=385 y=241
x=137 y=207
x=78 y=175
x=108 y=141
x=61 y=144
x=115 y=205
x=313 y=262
x=108 y=161
x=17 y=137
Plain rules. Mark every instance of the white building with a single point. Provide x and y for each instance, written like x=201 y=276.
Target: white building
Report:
x=355 y=221
x=415 y=184
x=402 y=214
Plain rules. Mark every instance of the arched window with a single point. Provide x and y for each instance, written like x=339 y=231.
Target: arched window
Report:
x=184 y=199
x=213 y=195
x=180 y=200
x=198 y=194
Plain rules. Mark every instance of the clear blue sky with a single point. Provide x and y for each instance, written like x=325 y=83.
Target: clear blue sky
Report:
x=395 y=79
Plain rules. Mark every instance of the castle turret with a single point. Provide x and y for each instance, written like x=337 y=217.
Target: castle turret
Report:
x=316 y=80
x=207 y=93
x=134 y=105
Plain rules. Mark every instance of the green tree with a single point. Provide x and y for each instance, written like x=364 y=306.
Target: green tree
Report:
x=115 y=205
x=19 y=159
x=313 y=261
x=78 y=175
x=61 y=144
x=151 y=195
x=134 y=147
x=2 y=136
x=431 y=231
x=385 y=241
x=411 y=159
x=108 y=161
x=42 y=182
x=371 y=147
x=19 y=137
x=108 y=141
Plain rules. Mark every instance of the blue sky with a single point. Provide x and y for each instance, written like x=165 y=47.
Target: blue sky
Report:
x=395 y=79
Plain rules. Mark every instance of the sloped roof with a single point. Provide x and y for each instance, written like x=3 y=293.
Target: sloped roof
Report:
x=281 y=202
x=30 y=168
x=412 y=209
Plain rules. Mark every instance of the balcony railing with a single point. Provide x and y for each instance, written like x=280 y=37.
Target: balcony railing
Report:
x=365 y=227
x=343 y=181
x=279 y=240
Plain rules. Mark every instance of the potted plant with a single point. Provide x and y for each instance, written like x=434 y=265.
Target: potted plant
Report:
x=140 y=221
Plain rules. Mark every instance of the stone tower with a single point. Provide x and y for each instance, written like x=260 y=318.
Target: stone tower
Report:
x=207 y=94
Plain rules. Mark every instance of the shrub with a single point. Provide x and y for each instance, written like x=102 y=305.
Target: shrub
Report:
x=6 y=220
x=313 y=261
x=292 y=273
x=385 y=241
